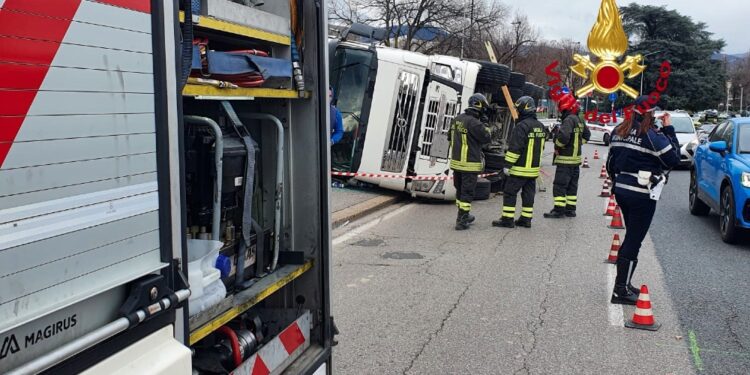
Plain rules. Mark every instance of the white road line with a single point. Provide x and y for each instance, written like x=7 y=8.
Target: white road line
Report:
x=369 y=225
x=615 y=312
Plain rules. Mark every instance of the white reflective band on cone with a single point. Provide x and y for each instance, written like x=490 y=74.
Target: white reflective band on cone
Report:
x=642 y=312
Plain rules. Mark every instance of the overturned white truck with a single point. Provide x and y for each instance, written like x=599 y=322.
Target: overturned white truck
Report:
x=397 y=107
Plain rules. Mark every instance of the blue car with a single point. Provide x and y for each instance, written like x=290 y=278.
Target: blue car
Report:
x=720 y=179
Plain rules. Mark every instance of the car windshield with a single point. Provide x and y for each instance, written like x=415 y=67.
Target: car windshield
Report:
x=682 y=125
x=743 y=140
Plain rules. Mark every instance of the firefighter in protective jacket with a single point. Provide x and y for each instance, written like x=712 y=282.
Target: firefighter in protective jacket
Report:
x=523 y=160
x=568 y=141
x=467 y=136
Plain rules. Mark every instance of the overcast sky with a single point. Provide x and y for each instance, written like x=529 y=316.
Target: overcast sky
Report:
x=573 y=19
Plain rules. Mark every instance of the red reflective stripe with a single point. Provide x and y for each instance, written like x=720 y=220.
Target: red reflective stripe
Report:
x=25 y=25
x=17 y=103
x=26 y=50
x=8 y=128
x=139 y=5
x=52 y=8
x=292 y=338
x=16 y=76
x=260 y=368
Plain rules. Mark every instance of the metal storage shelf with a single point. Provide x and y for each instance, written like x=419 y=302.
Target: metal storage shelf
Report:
x=215 y=24
x=211 y=91
x=204 y=323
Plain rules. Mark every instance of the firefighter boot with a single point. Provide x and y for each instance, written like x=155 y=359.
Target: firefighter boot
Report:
x=556 y=213
x=524 y=222
x=621 y=294
x=570 y=212
x=504 y=222
x=462 y=220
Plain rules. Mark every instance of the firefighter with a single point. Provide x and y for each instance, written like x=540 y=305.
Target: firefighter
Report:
x=638 y=157
x=469 y=133
x=523 y=160
x=572 y=135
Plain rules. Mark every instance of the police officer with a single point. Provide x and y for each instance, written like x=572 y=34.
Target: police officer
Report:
x=638 y=157
x=468 y=135
x=523 y=160
x=568 y=141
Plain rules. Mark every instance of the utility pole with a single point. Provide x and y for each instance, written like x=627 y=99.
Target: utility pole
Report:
x=742 y=94
x=644 y=73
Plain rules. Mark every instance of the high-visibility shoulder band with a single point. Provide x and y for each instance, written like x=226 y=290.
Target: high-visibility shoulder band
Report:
x=641 y=148
x=466 y=166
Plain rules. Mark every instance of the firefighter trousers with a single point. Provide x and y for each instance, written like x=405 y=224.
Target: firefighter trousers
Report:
x=527 y=186
x=465 y=184
x=565 y=187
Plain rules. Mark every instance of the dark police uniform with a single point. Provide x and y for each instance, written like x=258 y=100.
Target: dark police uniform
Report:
x=655 y=152
x=524 y=157
x=467 y=137
x=568 y=141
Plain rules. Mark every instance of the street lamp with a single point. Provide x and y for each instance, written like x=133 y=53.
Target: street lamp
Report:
x=644 y=73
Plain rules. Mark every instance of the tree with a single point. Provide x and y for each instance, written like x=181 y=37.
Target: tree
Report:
x=740 y=77
x=451 y=26
x=697 y=82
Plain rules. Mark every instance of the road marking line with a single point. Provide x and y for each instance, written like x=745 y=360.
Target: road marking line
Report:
x=367 y=226
x=615 y=311
x=695 y=350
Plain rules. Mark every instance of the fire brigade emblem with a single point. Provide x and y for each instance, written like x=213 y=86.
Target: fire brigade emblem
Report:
x=607 y=41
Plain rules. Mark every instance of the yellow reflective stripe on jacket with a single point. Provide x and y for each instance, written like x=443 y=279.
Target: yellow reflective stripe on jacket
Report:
x=567 y=159
x=524 y=172
x=464 y=147
x=576 y=143
x=511 y=157
x=559 y=144
x=467 y=166
x=530 y=153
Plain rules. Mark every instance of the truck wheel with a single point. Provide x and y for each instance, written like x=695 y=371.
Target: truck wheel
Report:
x=516 y=80
x=515 y=93
x=492 y=75
x=727 y=219
x=482 y=191
x=697 y=206
x=529 y=89
x=493 y=161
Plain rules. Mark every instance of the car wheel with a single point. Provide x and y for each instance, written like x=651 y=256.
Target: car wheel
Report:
x=727 y=220
x=697 y=206
x=605 y=139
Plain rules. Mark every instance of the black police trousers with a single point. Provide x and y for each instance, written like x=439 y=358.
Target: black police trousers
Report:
x=637 y=212
x=527 y=186
x=565 y=187
x=465 y=184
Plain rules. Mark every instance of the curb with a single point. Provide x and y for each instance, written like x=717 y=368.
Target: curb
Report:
x=361 y=209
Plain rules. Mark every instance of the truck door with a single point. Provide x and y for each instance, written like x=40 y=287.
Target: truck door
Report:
x=441 y=105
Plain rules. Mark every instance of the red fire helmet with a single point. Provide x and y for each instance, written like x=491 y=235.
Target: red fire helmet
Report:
x=568 y=102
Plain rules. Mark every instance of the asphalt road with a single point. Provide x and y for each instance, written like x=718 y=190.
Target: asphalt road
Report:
x=412 y=296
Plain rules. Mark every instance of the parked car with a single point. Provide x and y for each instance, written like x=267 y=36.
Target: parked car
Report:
x=720 y=179
x=686 y=133
x=602 y=132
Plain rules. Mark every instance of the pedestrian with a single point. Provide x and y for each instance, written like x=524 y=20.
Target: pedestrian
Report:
x=523 y=160
x=638 y=158
x=468 y=134
x=572 y=134
x=337 y=121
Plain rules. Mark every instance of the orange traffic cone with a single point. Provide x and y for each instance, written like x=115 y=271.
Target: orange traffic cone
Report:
x=596 y=154
x=603 y=173
x=614 y=249
x=605 y=191
x=586 y=163
x=643 y=317
x=611 y=206
x=616 y=220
